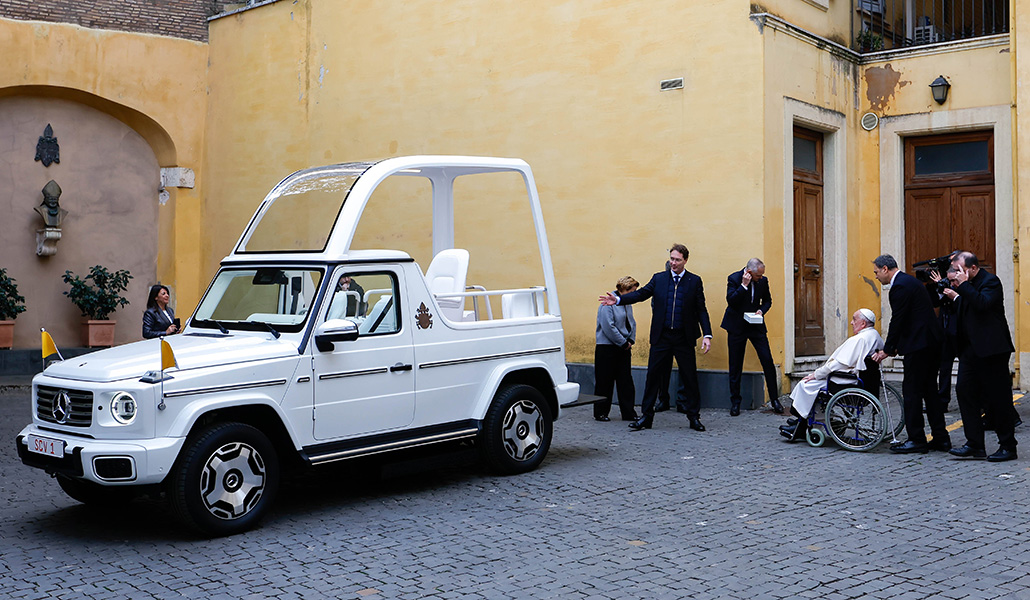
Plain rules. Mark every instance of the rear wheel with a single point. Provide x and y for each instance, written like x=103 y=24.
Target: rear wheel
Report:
x=226 y=479
x=855 y=419
x=517 y=430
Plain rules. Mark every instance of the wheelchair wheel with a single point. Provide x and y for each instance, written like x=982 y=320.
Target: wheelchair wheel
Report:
x=891 y=397
x=855 y=419
x=815 y=437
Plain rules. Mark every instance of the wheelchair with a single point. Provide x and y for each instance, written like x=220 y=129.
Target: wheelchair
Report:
x=858 y=410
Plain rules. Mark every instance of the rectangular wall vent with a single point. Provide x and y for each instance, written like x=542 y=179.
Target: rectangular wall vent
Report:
x=672 y=84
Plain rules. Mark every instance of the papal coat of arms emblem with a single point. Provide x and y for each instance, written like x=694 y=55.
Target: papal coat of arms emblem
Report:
x=423 y=318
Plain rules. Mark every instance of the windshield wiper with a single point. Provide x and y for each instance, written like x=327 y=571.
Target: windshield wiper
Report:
x=270 y=329
x=217 y=324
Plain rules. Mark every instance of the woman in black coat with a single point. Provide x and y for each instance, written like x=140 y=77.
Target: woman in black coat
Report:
x=159 y=318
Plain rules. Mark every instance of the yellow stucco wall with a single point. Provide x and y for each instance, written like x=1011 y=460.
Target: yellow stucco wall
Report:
x=624 y=170
x=156 y=85
x=831 y=19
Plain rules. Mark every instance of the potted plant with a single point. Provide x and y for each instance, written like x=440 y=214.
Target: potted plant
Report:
x=10 y=305
x=869 y=41
x=97 y=295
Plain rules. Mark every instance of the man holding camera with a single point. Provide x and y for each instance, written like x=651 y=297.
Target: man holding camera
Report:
x=984 y=344
x=916 y=334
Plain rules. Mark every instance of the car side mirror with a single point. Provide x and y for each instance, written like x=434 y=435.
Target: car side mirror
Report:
x=335 y=330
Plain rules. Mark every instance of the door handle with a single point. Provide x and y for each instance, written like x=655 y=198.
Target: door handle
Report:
x=816 y=271
x=400 y=367
x=796 y=268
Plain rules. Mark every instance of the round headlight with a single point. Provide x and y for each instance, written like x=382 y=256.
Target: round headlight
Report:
x=123 y=408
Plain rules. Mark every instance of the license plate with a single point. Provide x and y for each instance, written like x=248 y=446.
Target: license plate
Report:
x=47 y=446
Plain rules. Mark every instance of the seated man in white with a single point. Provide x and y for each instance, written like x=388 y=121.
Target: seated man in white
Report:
x=849 y=357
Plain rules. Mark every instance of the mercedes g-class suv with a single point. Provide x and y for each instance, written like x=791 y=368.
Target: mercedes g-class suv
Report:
x=304 y=349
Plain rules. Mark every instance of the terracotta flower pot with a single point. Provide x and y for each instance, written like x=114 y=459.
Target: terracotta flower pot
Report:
x=7 y=333
x=98 y=334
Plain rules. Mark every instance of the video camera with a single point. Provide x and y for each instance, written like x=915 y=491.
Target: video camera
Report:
x=940 y=264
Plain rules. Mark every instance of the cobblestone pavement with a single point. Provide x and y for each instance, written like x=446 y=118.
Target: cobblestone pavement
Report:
x=669 y=513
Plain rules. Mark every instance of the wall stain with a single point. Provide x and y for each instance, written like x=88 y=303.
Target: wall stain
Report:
x=876 y=290
x=881 y=85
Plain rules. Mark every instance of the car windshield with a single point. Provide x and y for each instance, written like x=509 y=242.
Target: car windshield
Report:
x=258 y=297
x=300 y=212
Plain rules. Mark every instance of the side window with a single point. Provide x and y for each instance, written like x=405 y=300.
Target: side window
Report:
x=369 y=299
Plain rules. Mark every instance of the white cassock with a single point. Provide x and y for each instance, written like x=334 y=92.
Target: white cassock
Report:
x=850 y=357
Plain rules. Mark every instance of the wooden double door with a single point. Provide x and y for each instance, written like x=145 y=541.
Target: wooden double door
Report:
x=949 y=197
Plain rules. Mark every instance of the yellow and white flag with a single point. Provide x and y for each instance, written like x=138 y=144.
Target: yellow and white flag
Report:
x=49 y=347
x=167 y=356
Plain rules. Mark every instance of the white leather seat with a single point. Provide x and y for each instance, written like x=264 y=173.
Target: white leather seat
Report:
x=446 y=275
x=381 y=319
x=518 y=306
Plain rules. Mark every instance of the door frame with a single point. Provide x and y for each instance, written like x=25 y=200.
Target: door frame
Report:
x=893 y=130
x=833 y=126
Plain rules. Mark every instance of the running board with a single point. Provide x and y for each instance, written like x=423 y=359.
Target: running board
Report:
x=389 y=442
x=583 y=400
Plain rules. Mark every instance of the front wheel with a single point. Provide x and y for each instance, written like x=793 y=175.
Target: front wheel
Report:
x=517 y=430
x=226 y=479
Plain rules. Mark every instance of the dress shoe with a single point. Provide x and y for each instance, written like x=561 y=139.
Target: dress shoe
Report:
x=776 y=406
x=602 y=418
x=735 y=409
x=696 y=425
x=791 y=422
x=1002 y=455
x=966 y=452
x=940 y=445
x=910 y=447
x=641 y=423
x=661 y=407
x=795 y=432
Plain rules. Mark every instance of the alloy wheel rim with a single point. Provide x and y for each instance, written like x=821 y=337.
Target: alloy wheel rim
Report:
x=233 y=480
x=523 y=430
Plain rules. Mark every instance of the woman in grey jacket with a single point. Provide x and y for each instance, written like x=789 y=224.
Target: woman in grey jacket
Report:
x=616 y=334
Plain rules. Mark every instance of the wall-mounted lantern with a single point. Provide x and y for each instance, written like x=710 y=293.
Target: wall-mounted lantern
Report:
x=939 y=88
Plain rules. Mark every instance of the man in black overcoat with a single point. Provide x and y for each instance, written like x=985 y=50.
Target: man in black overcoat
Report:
x=916 y=334
x=747 y=291
x=984 y=344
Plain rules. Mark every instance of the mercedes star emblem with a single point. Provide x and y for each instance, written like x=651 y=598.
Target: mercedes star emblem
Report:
x=62 y=407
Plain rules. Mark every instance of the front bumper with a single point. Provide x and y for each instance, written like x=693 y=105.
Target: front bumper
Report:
x=135 y=462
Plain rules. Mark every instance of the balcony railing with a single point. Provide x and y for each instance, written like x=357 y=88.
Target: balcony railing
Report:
x=890 y=24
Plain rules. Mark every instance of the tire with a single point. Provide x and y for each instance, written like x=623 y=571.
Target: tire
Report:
x=95 y=495
x=225 y=480
x=855 y=419
x=891 y=397
x=517 y=430
x=815 y=437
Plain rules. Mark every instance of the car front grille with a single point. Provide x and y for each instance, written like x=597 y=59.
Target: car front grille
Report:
x=76 y=410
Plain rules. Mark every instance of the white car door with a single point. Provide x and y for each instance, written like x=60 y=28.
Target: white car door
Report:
x=365 y=385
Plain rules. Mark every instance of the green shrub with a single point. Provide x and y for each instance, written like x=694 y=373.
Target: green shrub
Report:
x=10 y=302
x=97 y=300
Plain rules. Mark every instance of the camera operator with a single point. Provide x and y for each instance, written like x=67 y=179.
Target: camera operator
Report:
x=948 y=317
x=984 y=383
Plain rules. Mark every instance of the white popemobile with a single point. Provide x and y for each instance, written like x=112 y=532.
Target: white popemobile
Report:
x=304 y=351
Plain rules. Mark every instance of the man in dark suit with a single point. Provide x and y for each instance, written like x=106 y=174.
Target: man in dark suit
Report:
x=747 y=291
x=984 y=344
x=916 y=334
x=679 y=317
